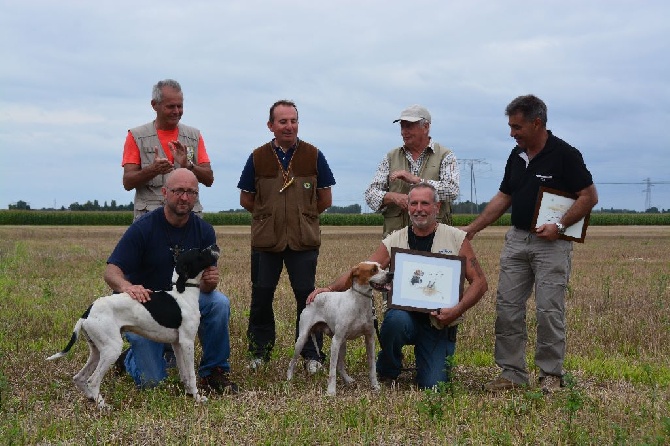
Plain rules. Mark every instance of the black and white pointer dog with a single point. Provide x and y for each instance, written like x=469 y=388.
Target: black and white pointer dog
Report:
x=170 y=316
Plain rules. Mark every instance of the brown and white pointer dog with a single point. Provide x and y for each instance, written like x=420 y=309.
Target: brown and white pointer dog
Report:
x=343 y=316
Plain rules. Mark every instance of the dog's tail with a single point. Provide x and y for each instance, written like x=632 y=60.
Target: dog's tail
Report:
x=73 y=338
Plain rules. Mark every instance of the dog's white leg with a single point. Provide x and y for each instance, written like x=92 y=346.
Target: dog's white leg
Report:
x=334 y=357
x=81 y=378
x=341 y=363
x=109 y=350
x=184 y=352
x=179 y=357
x=372 y=365
x=299 y=344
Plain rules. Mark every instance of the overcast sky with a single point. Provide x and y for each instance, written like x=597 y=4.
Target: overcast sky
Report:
x=76 y=75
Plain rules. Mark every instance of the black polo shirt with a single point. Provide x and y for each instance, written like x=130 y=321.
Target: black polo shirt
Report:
x=558 y=166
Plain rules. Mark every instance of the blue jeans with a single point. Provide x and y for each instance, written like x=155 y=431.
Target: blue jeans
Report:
x=145 y=362
x=432 y=347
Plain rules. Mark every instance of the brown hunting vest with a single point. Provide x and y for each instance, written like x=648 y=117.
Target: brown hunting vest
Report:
x=289 y=218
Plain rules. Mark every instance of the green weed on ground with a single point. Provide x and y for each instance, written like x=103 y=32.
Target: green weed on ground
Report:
x=618 y=357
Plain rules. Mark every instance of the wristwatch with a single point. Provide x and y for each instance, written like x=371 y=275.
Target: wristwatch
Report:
x=561 y=228
x=190 y=165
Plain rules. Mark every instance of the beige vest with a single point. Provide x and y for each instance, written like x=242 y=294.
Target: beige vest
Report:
x=448 y=240
x=149 y=196
x=394 y=216
x=289 y=218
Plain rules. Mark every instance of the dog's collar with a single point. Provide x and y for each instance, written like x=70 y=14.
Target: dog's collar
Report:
x=367 y=294
x=192 y=285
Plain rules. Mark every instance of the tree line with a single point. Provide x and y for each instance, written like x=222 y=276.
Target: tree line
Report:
x=464 y=207
x=88 y=206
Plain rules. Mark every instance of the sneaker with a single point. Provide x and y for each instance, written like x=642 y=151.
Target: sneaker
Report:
x=255 y=364
x=386 y=381
x=313 y=366
x=550 y=383
x=219 y=382
x=499 y=384
x=119 y=364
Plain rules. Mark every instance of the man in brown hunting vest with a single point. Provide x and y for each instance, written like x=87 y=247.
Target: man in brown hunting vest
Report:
x=419 y=159
x=286 y=183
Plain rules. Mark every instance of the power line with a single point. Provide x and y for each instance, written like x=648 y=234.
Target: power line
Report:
x=647 y=190
x=473 y=182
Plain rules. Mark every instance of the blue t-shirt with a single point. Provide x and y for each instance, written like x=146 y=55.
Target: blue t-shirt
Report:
x=324 y=176
x=146 y=251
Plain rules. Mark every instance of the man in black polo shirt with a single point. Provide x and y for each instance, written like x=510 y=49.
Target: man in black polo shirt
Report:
x=534 y=256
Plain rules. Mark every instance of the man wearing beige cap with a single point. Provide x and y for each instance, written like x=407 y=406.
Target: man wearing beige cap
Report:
x=419 y=159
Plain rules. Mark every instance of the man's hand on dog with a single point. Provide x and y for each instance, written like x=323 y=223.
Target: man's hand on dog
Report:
x=316 y=292
x=210 y=279
x=138 y=292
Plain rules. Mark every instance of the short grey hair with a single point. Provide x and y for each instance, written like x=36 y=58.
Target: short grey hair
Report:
x=421 y=185
x=157 y=93
x=529 y=106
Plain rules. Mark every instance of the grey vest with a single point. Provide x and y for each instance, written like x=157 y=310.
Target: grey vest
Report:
x=394 y=216
x=149 y=196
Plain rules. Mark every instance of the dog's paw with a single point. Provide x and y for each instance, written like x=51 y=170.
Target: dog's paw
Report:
x=102 y=405
x=200 y=399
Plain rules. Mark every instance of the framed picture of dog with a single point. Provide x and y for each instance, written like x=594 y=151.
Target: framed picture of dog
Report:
x=425 y=281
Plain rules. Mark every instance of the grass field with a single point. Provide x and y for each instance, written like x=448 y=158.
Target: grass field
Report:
x=618 y=356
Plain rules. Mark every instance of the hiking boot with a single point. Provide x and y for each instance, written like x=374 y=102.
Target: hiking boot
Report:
x=500 y=384
x=219 y=382
x=119 y=364
x=313 y=366
x=550 y=383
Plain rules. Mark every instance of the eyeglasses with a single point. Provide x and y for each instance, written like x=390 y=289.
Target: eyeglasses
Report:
x=181 y=192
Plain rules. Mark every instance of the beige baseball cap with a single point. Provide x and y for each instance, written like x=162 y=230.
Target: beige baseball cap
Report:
x=414 y=113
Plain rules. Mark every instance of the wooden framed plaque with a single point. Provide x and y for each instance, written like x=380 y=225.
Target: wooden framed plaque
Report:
x=425 y=281
x=551 y=205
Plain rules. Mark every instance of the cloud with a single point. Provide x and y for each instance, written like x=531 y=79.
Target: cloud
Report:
x=24 y=114
x=77 y=75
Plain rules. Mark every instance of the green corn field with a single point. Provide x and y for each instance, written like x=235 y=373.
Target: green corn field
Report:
x=124 y=218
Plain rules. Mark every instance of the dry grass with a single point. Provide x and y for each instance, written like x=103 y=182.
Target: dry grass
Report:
x=618 y=351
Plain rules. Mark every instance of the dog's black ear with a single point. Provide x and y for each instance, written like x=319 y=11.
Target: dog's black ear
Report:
x=181 y=283
x=180 y=268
